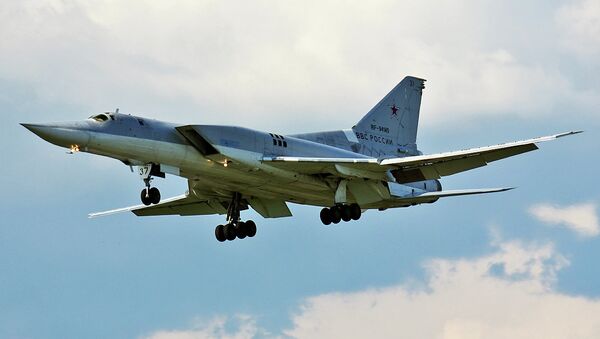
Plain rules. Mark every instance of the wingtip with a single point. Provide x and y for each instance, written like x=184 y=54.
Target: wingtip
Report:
x=569 y=133
x=501 y=189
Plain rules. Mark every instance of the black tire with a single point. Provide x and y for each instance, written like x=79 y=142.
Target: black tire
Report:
x=325 y=216
x=346 y=214
x=355 y=211
x=229 y=232
x=336 y=214
x=220 y=233
x=154 y=195
x=146 y=200
x=250 y=228
x=240 y=230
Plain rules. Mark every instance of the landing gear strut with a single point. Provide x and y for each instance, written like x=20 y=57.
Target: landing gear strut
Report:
x=340 y=212
x=235 y=227
x=149 y=195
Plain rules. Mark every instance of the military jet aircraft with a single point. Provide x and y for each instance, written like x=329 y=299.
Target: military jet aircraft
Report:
x=375 y=165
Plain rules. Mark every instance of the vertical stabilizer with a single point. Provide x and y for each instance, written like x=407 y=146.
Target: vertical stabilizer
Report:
x=390 y=128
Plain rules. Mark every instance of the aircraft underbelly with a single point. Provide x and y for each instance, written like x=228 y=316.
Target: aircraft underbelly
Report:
x=213 y=176
x=225 y=181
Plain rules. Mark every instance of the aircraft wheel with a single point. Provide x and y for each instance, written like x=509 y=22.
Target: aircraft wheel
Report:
x=250 y=228
x=355 y=211
x=240 y=230
x=220 y=233
x=336 y=214
x=325 y=216
x=229 y=232
x=146 y=199
x=154 y=195
x=346 y=213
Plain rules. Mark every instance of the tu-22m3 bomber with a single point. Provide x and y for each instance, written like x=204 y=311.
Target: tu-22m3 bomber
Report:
x=375 y=165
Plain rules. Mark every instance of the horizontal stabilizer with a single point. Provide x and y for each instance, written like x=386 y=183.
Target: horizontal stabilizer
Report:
x=453 y=193
x=430 y=197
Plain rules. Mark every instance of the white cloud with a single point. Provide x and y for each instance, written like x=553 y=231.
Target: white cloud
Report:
x=256 y=61
x=507 y=294
x=215 y=328
x=581 y=218
x=580 y=26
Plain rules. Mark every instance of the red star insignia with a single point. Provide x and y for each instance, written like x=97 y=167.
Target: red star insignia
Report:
x=394 y=110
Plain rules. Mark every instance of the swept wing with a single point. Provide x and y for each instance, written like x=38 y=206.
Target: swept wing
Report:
x=413 y=168
x=187 y=204
x=179 y=205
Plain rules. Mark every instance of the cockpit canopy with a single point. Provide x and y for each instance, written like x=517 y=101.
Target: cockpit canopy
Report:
x=103 y=117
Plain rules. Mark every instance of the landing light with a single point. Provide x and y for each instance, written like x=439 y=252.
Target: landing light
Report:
x=73 y=149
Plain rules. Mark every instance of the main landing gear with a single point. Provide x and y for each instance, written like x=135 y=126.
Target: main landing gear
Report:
x=149 y=195
x=235 y=227
x=340 y=212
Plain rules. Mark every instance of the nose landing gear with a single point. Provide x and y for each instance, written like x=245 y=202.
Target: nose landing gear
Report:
x=235 y=227
x=149 y=195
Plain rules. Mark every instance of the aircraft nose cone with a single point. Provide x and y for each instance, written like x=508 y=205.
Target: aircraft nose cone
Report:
x=41 y=130
x=64 y=135
x=35 y=128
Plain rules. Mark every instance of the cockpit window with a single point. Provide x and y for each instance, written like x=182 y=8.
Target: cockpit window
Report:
x=100 y=117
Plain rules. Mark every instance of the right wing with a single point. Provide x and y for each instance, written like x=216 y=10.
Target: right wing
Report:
x=412 y=168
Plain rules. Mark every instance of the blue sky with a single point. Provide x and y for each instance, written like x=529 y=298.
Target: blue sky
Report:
x=491 y=266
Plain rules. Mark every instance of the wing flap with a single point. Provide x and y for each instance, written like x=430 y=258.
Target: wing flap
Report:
x=270 y=208
x=505 y=153
x=460 y=165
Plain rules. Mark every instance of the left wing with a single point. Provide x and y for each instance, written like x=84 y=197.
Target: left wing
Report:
x=413 y=168
x=187 y=204
x=180 y=205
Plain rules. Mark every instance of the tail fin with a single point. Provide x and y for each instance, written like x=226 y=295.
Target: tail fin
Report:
x=390 y=128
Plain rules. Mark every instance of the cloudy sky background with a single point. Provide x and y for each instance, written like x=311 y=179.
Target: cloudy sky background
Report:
x=519 y=264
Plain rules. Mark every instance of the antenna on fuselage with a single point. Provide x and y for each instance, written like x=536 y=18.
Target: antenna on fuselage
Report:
x=117 y=110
